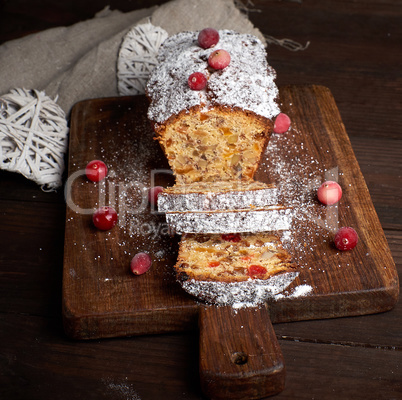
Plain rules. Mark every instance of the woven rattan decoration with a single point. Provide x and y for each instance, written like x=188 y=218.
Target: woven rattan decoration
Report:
x=33 y=137
x=137 y=58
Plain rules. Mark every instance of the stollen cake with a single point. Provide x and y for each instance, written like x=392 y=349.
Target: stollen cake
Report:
x=234 y=268
x=213 y=137
x=217 y=133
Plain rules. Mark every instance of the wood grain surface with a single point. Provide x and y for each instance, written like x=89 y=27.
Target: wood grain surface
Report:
x=240 y=357
x=101 y=298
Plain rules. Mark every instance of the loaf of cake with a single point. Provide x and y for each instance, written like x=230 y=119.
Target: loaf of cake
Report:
x=217 y=133
x=213 y=135
x=271 y=218
x=233 y=268
x=226 y=195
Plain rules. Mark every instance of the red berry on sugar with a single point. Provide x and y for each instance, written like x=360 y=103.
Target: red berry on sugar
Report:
x=219 y=59
x=208 y=37
x=346 y=238
x=140 y=263
x=96 y=170
x=282 y=123
x=105 y=218
x=231 y=237
x=329 y=193
x=153 y=193
x=197 y=81
x=256 y=271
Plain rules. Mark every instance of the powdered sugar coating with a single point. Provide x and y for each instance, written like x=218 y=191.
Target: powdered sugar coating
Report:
x=250 y=293
x=246 y=83
x=225 y=200
x=254 y=220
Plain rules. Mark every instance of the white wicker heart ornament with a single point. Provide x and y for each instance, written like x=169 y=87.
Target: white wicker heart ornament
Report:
x=33 y=137
x=137 y=58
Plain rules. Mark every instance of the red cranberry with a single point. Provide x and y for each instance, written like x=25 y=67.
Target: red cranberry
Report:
x=346 y=238
x=153 y=193
x=219 y=59
x=208 y=37
x=197 y=81
x=231 y=237
x=329 y=193
x=256 y=271
x=105 y=218
x=96 y=170
x=282 y=123
x=140 y=263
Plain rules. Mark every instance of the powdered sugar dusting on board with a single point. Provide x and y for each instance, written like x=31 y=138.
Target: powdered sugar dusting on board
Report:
x=247 y=82
x=298 y=291
x=250 y=293
x=289 y=164
x=131 y=155
x=124 y=390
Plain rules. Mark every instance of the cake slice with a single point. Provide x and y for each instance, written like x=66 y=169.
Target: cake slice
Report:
x=229 y=195
x=234 y=268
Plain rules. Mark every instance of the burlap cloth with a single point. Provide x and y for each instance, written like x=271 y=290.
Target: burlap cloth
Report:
x=79 y=62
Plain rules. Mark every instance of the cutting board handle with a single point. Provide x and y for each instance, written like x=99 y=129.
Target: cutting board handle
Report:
x=240 y=357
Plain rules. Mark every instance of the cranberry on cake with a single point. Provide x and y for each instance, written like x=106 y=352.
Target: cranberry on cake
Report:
x=218 y=132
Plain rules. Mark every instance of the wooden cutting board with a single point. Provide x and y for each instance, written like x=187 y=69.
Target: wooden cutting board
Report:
x=101 y=298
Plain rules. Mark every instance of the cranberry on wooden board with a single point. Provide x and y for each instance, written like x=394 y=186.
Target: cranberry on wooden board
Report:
x=96 y=170
x=140 y=263
x=346 y=238
x=282 y=123
x=105 y=218
x=329 y=193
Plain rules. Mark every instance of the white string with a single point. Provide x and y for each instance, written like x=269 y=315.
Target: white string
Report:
x=247 y=6
x=288 y=44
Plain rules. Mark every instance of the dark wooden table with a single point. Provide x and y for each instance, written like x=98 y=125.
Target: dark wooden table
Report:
x=355 y=50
